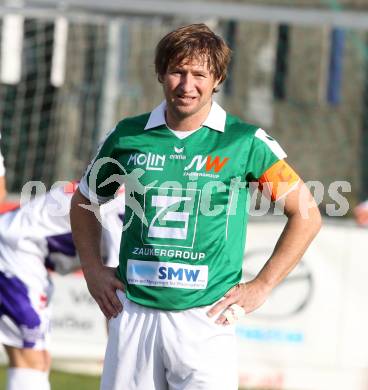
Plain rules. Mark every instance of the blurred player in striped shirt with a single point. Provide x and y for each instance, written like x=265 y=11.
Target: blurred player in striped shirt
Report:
x=35 y=239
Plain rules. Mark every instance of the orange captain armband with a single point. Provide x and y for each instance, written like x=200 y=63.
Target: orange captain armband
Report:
x=278 y=180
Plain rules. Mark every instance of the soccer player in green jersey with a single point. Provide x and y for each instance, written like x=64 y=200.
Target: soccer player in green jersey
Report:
x=187 y=167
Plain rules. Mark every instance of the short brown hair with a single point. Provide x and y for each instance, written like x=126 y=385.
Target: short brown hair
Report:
x=190 y=42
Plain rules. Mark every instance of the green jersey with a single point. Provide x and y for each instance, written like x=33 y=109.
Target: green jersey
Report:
x=186 y=203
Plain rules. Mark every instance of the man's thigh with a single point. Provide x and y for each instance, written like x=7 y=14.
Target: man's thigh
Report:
x=28 y=358
x=150 y=349
x=133 y=359
x=200 y=354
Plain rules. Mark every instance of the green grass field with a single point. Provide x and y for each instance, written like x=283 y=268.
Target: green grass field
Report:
x=62 y=381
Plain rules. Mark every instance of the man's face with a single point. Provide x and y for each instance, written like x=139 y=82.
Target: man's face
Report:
x=188 y=88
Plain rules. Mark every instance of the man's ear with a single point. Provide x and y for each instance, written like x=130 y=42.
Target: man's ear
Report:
x=217 y=83
x=160 y=78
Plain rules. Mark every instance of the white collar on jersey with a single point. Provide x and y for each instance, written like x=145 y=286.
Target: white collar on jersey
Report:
x=216 y=118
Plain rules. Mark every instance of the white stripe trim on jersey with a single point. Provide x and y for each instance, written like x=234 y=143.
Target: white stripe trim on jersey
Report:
x=271 y=143
x=216 y=118
x=91 y=196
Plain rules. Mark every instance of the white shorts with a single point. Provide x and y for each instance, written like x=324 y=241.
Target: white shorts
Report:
x=24 y=313
x=150 y=349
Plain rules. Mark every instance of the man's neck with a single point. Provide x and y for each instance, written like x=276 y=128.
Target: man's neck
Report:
x=189 y=123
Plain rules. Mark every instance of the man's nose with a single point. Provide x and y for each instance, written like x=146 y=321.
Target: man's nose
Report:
x=186 y=82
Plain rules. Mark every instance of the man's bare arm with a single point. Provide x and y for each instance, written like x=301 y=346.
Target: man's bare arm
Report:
x=101 y=280
x=293 y=242
x=2 y=189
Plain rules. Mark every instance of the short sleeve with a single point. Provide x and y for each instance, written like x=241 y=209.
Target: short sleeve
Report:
x=265 y=151
x=99 y=182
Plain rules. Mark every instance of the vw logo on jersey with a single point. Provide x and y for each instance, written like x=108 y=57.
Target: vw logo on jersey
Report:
x=209 y=163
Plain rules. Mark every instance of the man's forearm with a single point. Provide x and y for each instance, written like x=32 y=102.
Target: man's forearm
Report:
x=86 y=231
x=2 y=189
x=292 y=244
x=101 y=280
